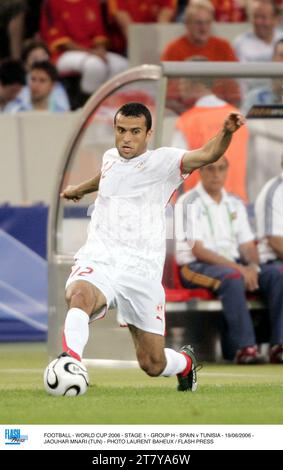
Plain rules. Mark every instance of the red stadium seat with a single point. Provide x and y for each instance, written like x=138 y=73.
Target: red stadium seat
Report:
x=180 y=294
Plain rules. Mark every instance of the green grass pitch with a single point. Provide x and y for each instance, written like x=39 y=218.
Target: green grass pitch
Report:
x=227 y=394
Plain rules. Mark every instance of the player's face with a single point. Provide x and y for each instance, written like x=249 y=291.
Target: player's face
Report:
x=131 y=136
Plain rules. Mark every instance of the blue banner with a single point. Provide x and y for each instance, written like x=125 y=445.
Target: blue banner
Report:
x=23 y=273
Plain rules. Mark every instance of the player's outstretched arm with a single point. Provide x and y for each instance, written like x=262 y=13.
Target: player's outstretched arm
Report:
x=75 y=193
x=214 y=148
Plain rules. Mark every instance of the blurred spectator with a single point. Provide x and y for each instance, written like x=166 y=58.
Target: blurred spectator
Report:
x=12 y=81
x=230 y=10
x=125 y=12
x=257 y=45
x=221 y=255
x=34 y=51
x=200 y=123
x=267 y=94
x=198 y=41
x=269 y=220
x=75 y=34
x=37 y=51
x=41 y=80
x=12 y=19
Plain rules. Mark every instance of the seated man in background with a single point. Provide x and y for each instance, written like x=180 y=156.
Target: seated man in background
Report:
x=221 y=255
x=257 y=45
x=199 y=123
x=199 y=41
x=41 y=81
x=37 y=51
x=269 y=221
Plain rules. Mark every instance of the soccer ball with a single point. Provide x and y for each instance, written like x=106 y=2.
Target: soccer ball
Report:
x=65 y=376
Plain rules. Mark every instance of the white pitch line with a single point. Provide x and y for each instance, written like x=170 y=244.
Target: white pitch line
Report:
x=23 y=371
x=231 y=374
x=116 y=364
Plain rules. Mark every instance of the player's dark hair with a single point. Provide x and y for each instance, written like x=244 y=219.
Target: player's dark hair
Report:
x=47 y=67
x=135 y=110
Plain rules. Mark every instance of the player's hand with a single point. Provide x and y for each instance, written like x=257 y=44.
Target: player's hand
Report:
x=234 y=121
x=71 y=192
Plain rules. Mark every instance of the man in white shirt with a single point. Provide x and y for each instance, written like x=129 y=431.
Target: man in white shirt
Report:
x=269 y=221
x=258 y=45
x=122 y=260
x=220 y=253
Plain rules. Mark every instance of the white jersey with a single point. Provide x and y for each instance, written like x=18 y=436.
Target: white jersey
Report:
x=127 y=229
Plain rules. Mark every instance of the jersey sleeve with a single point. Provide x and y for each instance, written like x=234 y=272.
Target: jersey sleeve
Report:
x=170 y=161
x=169 y=168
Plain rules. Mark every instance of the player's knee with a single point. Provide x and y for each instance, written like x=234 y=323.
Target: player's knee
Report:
x=79 y=298
x=151 y=366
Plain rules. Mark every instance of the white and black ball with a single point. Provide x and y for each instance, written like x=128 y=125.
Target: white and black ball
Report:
x=66 y=376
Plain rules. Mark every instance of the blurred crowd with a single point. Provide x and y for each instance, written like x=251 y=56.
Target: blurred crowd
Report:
x=83 y=43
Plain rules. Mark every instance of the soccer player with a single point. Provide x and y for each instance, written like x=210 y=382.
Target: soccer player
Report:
x=121 y=263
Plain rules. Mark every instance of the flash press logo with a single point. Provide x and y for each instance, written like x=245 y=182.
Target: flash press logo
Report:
x=13 y=437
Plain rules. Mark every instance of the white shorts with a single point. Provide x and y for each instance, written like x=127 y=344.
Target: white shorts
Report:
x=139 y=302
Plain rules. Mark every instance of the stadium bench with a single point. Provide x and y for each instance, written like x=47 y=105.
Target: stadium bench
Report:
x=194 y=316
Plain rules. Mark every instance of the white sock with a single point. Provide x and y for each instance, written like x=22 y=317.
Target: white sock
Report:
x=176 y=363
x=76 y=331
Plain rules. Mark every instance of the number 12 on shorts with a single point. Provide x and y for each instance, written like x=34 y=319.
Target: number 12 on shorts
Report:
x=79 y=271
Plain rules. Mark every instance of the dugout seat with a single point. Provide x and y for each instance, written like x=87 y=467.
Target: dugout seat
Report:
x=181 y=294
x=193 y=316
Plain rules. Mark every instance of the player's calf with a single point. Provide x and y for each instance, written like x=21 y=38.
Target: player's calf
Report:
x=151 y=366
